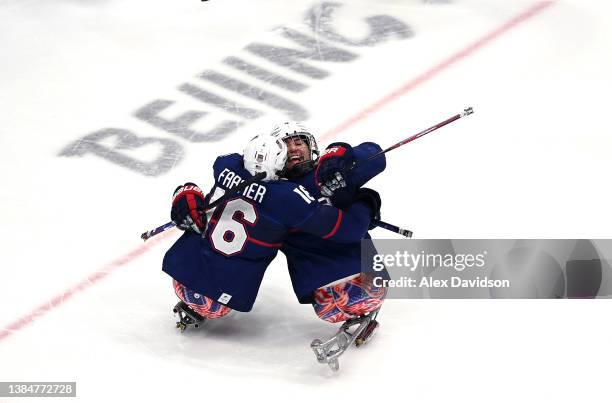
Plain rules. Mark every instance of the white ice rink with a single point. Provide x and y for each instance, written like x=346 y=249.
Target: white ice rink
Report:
x=84 y=300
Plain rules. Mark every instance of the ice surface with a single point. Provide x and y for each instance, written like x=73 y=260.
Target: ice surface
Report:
x=533 y=161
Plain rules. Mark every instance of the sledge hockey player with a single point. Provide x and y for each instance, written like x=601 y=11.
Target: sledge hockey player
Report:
x=219 y=262
x=323 y=272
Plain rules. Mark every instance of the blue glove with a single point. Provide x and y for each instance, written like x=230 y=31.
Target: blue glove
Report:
x=371 y=198
x=188 y=208
x=332 y=174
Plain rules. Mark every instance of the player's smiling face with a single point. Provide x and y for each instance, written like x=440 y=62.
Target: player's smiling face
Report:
x=297 y=151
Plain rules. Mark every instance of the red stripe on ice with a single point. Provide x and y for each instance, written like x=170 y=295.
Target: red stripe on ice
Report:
x=438 y=68
x=84 y=284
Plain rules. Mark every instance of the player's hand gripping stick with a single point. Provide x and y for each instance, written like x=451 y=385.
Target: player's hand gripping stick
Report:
x=224 y=198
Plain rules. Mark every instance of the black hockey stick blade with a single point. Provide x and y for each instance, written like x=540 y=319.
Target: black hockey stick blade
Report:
x=393 y=228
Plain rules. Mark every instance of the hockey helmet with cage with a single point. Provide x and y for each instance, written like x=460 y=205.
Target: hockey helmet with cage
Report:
x=288 y=130
x=265 y=153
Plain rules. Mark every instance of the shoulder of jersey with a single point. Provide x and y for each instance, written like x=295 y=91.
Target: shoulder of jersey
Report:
x=371 y=145
x=233 y=159
x=280 y=186
x=287 y=195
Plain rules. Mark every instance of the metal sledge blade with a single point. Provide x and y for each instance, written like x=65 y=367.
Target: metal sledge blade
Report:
x=328 y=351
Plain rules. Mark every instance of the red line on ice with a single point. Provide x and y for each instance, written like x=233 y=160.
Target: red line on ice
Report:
x=95 y=277
x=438 y=68
x=92 y=279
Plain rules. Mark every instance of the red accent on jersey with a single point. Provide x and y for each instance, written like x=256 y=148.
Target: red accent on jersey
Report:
x=335 y=229
x=262 y=243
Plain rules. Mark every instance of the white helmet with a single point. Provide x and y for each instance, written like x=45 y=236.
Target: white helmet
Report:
x=265 y=153
x=287 y=130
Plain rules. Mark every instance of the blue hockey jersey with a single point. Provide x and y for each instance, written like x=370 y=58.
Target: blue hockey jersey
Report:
x=314 y=262
x=227 y=262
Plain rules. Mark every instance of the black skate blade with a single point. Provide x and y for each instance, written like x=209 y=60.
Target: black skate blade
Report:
x=187 y=316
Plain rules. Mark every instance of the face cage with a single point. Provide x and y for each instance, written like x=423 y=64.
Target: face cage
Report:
x=310 y=141
x=304 y=167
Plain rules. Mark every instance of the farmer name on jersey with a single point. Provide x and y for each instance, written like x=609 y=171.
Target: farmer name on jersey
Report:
x=229 y=179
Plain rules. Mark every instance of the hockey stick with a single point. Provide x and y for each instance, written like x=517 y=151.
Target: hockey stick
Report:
x=224 y=198
x=466 y=112
x=393 y=228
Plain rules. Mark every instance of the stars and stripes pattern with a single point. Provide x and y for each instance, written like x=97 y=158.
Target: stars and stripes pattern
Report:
x=205 y=306
x=347 y=300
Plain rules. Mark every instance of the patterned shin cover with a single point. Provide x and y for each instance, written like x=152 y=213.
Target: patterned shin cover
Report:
x=203 y=305
x=352 y=298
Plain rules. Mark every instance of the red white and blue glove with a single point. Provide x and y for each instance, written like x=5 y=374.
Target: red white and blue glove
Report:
x=188 y=208
x=332 y=174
